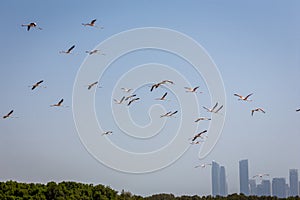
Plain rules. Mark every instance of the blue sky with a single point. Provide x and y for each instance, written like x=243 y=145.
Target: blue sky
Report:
x=255 y=45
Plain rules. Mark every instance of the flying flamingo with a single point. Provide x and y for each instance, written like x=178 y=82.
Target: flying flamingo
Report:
x=198 y=135
x=92 y=85
x=119 y=101
x=8 y=114
x=169 y=114
x=212 y=110
x=203 y=165
x=58 y=104
x=36 y=85
x=69 y=50
x=260 y=175
x=31 y=25
x=167 y=81
x=257 y=110
x=126 y=89
x=93 y=52
x=243 y=98
x=92 y=24
x=107 y=133
x=189 y=89
x=166 y=114
x=162 y=98
x=130 y=97
x=202 y=119
x=156 y=85
x=132 y=100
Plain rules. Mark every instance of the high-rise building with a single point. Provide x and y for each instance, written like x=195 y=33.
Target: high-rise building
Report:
x=215 y=177
x=279 y=187
x=259 y=190
x=252 y=187
x=223 y=182
x=294 y=184
x=266 y=187
x=287 y=190
x=244 y=177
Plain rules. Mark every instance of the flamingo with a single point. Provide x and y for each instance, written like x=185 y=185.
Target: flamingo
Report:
x=169 y=114
x=257 y=110
x=8 y=114
x=203 y=165
x=260 y=175
x=93 y=52
x=58 y=104
x=166 y=114
x=156 y=85
x=189 y=89
x=132 y=100
x=69 y=50
x=202 y=119
x=212 y=110
x=130 y=97
x=36 y=85
x=92 y=23
x=173 y=113
x=198 y=135
x=107 y=133
x=167 y=81
x=92 y=85
x=126 y=89
x=162 y=98
x=31 y=25
x=243 y=98
x=120 y=101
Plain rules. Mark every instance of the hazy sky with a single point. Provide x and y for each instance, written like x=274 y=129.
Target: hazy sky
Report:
x=255 y=45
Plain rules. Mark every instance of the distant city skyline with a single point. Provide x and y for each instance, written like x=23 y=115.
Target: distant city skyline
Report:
x=257 y=185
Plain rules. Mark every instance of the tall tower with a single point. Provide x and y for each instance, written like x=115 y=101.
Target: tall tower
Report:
x=279 y=187
x=252 y=187
x=294 y=184
x=244 y=177
x=223 y=182
x=266 y=186
x=215 y=177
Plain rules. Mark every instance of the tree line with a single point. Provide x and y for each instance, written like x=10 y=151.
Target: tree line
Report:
x=12 y=190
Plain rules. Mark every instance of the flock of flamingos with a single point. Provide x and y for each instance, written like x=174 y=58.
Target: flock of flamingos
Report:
x=131 y=98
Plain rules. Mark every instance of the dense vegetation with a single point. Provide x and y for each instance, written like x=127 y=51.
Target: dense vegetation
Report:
x=12 y=190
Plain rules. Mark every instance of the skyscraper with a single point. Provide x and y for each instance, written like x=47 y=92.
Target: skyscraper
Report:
x=244 y=177
x=279 y=187
x=266 y=187
x=215 y=177
x=223 y=182
x=252 y=187
x=294 y=184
